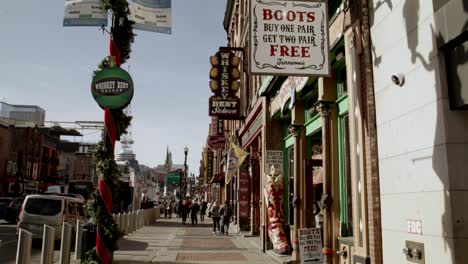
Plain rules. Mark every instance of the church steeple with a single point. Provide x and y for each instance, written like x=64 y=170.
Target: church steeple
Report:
x=168 y=163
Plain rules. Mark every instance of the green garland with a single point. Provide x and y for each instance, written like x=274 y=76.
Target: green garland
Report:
x=107 y=167
x=123 y=36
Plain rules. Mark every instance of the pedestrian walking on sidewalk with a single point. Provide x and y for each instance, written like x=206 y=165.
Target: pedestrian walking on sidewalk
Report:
x=184 y=210
x=226 y=215
x=214 y=211
x=194 y=208
x=203 y=208
x=179 y=211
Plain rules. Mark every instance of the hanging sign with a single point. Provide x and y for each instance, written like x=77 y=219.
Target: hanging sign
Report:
x=112 y=88
x=85 y=13
x=224 y=84
x=310 y=245
x=289 y=38
x=151 y=15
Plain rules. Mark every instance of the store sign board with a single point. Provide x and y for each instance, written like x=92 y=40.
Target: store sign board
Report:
x=310 y=245
x=224 y=83
x=275 y=158
x=112 y=88
x=289 y=38
x=216 y=142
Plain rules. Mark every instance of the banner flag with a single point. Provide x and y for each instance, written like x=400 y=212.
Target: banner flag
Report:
x=84 y=13
x=240 y=154
x=151 y=15
x=236 y=156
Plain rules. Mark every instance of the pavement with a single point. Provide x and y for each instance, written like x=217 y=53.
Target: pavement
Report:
x=168 y=241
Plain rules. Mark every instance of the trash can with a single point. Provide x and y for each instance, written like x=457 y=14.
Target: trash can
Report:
x=89 y=239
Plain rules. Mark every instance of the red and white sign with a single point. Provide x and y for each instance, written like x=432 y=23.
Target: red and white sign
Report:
x=289 y=38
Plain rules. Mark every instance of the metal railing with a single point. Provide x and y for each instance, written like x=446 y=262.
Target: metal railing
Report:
x=127 y=223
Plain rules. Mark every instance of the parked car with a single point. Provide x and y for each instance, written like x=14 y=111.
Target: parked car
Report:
x=52 y=210
x=10 y=208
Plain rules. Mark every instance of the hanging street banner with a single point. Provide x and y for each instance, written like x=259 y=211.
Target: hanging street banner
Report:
x=289 y=38
x=231 y=165
x=151 y=15
x=224 y=83
x=85 y=13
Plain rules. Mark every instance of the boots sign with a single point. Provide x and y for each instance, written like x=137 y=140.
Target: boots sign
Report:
x=289 y=38
x=224 y=84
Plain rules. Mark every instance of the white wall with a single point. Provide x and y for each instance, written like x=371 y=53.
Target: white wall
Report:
x=423 y=146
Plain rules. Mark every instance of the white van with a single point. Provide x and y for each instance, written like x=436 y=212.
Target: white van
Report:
x=52 y=210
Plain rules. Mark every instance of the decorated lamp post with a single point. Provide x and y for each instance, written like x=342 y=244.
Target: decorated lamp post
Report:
x=112 y=89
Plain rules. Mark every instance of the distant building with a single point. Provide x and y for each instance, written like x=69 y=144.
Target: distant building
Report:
x=28 y=113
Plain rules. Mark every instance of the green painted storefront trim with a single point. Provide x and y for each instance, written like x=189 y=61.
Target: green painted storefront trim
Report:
x=265 y=83
x=288 y=141
x=342 y=103
x=313 y=125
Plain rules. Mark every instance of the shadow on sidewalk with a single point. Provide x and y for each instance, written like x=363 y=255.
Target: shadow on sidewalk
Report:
x=125 y=244
x=171 y=222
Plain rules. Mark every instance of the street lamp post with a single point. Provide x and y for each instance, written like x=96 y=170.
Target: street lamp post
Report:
x=184 y=179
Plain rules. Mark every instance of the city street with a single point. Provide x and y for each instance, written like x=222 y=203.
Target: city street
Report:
x=8 y=241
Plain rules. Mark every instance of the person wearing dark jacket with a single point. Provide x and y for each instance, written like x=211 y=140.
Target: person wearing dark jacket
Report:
x=203 y=208
x=194 y=208
x=184 y=210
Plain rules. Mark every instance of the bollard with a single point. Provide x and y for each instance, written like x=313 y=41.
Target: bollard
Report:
x=48 y=239
x=65 y=243
x=119 y=222
x=158 y=213
x=78 y=239
x=138 y=219
x=23 y=252
x=132 y=222
x=125 y=223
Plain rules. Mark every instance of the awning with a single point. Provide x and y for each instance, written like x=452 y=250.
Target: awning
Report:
x=218 y=178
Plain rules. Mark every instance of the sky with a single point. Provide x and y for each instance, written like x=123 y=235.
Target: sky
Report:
x=43 y=63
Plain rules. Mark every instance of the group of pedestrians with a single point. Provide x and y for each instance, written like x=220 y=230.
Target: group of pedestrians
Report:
x=222 y=216
x=186 y=208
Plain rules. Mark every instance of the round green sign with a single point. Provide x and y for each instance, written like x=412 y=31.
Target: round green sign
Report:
x=112 y=88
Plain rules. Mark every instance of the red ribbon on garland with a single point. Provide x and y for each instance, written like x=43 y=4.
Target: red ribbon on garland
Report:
x=110 y=126
x=101 y=249
x=114 y=51
x=106 y=195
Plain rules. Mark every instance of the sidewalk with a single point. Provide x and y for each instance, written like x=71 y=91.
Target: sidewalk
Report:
x=168 y=241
